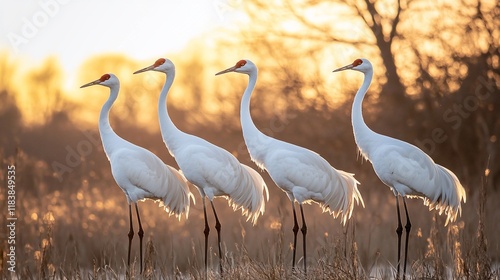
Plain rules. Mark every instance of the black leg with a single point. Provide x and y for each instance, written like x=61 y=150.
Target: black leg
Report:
x=295 y=230
x=218 y=227
x=206 y=232
x=399 y=231
x=304 y=232
x=140 y=233
x=408 y=228
x=130 y=234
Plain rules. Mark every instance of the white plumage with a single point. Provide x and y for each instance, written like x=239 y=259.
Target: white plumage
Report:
x=216 y=172
x=138 y=172
x=142 y=175
x=410 y=172
x=406 y=169
x=213 y=170
x=301 y=173
x=305 y=176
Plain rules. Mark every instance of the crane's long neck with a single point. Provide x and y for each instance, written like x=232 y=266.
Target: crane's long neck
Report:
x=110 y=140
x=363 y=135
x=170 y=133
x=254 y=139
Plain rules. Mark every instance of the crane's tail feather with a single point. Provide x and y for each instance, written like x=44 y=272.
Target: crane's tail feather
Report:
x=250 y=196
x=448 y=195
x=339 y=201
x=178 y=197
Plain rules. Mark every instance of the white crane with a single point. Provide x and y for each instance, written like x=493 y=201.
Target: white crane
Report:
x=301 y=173
x=138 y=172
x=406 y=169
x=213 y=170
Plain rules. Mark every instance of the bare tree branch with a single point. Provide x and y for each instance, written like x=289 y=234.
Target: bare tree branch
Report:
x=395 y=22
x=376 y=27
x=323 y=30
x=360 y=14
x=324 y=39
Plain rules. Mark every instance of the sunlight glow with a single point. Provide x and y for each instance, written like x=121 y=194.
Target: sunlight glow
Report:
x=139 y=29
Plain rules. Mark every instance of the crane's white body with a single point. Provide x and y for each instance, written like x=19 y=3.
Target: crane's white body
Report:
x=138 y=172
x=301 y=173
x=213 y=170
x=304 y=175
x=405 y=168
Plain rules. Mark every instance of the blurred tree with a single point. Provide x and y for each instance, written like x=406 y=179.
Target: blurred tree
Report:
x=439 y=90
x=8 y=70
x=312 y=26
x=136 y=97
x=10 y=122
x=43 y=95
x=459 y=85
x=193 y=78
x=10 y=114
x=441 y=65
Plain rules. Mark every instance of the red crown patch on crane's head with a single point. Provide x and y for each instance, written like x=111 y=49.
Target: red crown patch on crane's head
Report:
x=159 y=62
x=241 y=63
x=105 y=77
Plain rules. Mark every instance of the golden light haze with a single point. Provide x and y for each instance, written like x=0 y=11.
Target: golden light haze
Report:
x=419 y=49
x=436 y=85
x=212 y=50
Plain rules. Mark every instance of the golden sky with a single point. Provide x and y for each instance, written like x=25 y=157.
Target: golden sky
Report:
x=75 y=30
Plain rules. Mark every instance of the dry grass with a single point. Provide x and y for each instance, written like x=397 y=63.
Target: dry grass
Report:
x=338 y=259
x=79 y=232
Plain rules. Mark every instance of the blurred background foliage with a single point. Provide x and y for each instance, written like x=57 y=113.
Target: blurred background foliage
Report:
x=436 y=85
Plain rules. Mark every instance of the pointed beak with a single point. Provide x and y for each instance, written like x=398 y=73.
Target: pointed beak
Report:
x=145 y=69
x=347 y=67
x=230 y=69
x=96 y=82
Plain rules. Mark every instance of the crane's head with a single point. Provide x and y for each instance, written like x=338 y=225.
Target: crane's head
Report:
x=361 y=64
x=161 y=65
x=244 y=66
x=107 y=80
